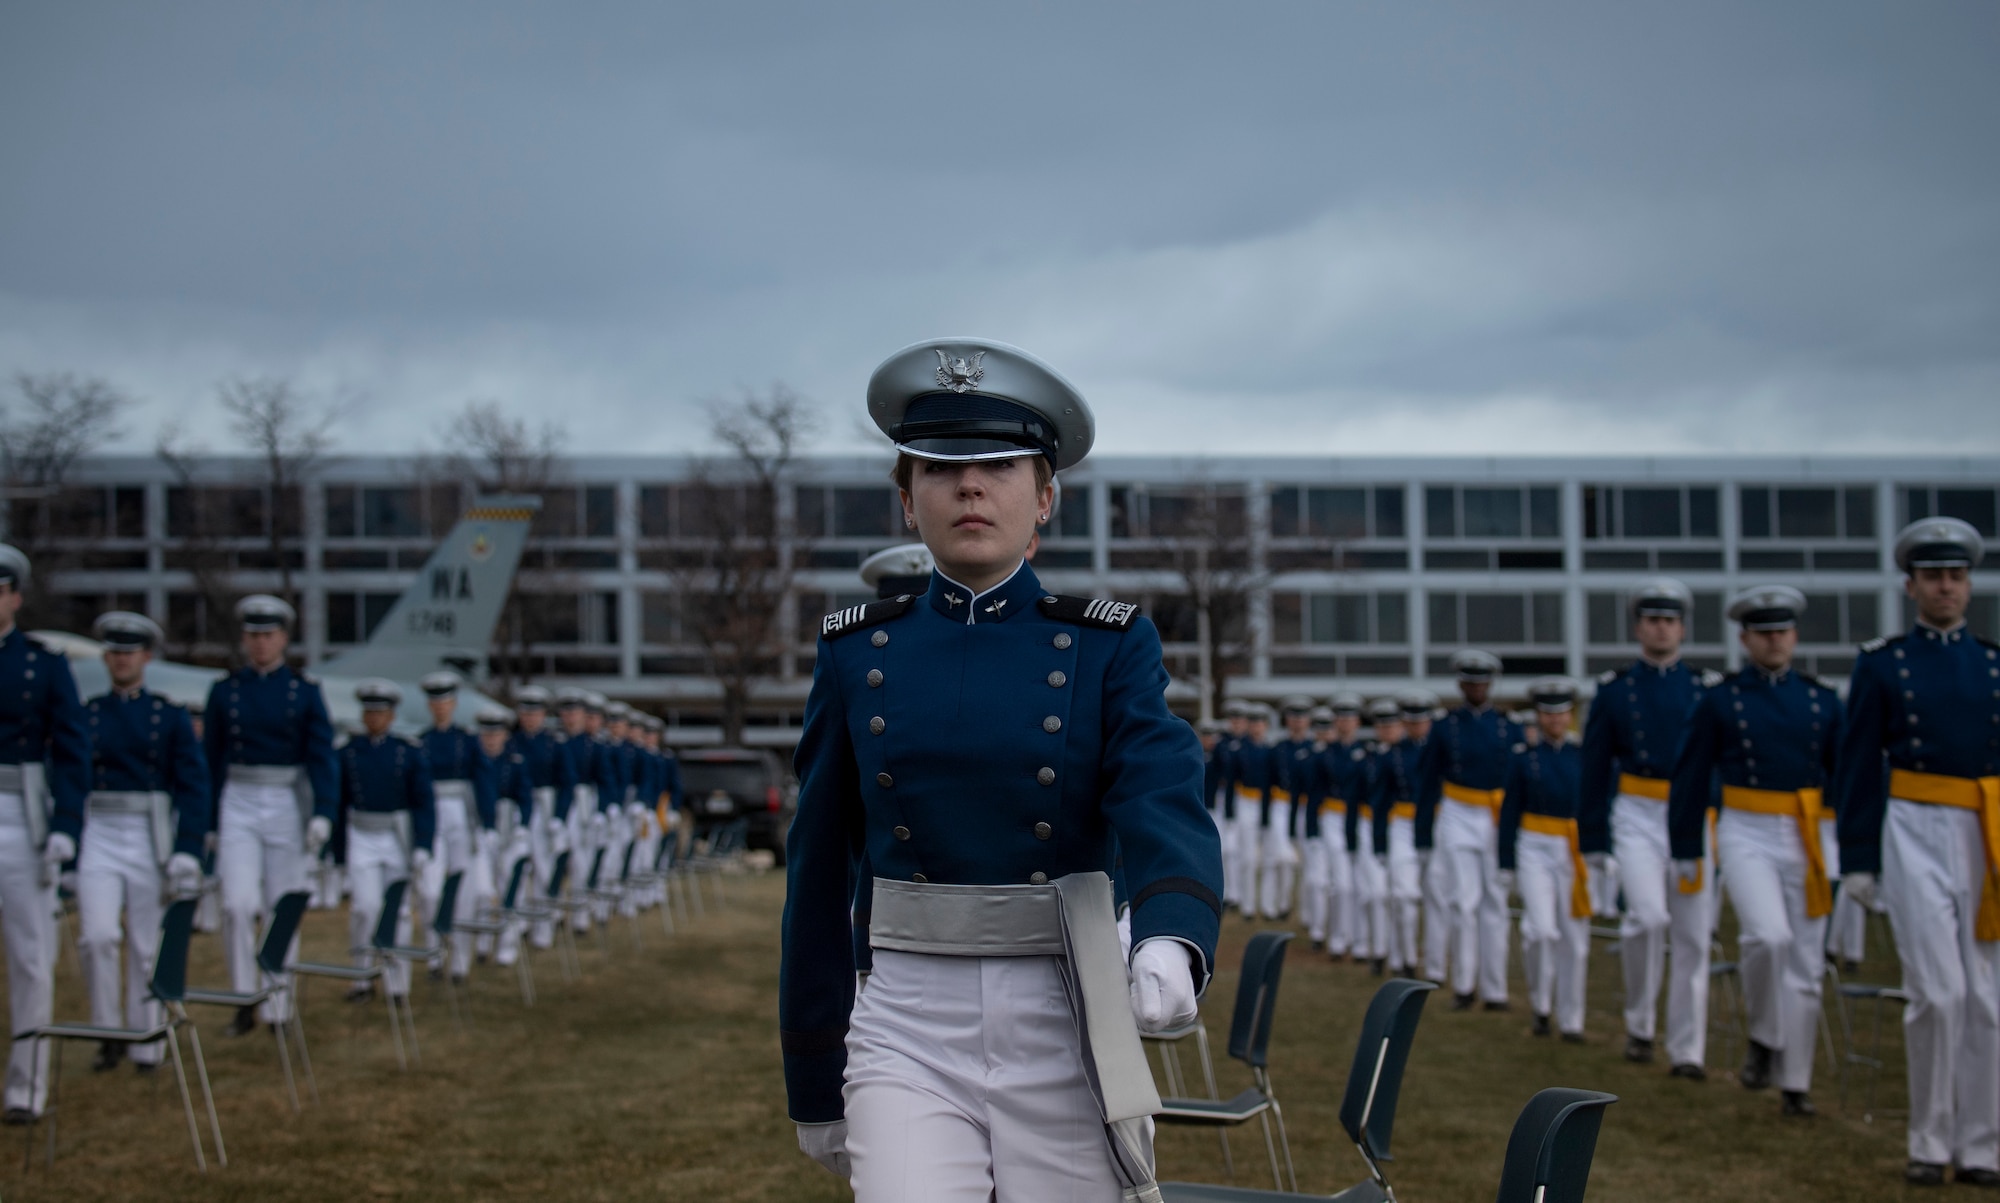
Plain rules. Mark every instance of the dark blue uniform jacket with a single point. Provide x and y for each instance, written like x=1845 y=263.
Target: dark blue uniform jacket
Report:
x=146 y=744
x=1635 y=726
x=1543 y=780
x=274 y=718
x=454 y=755
x=41 y=720
x=388 y=774
x=548 y=765
x=1754 y=730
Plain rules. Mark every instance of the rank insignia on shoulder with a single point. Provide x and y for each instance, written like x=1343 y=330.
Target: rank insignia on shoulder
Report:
x=1877 y=644
x=1091 y=612
x=854 y=618
x=1520 y=749
x=1360 y=754
x=1607 y=676
x=1710 y=678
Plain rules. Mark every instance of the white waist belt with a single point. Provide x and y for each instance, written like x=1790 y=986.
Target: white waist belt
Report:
x=263 y=774
x=10 y=778
x=121 y=802
x=376 y=820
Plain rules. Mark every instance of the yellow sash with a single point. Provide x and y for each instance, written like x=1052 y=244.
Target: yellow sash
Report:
x=1333 y=806
x=1488 y=799
x=1701 y=865
x=1579 y=882
x=1980 y=795
x=1280 y=795
x=1642 y=787
x=1803 y=805
x=1249 y=795
x=1402 y=810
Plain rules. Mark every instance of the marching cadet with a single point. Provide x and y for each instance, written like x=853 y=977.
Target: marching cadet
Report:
x=1771 y=734
x=1368 y=836
x=1928 y=702
x=595 y=782
x=1343 y=777
x=1539 y=853
x=44 y=775
x=271 y=774
x=986 y=746
x=148 y=810
x=1293 y=770
x=1420 y=712
x=1464 y=772
x=389 y=819
x=619 y=824
x=1629 y=742
x=506 y=775
x=664 y=798
x=1236 y=737
x=1396 y=817
x=466 y=811
x=1313 y=871
x=546 y=759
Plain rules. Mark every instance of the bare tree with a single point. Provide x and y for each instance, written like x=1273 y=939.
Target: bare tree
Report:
x=1207 y=532
x=198 y=529
x=56 y=419
x=733 y=585
x=290 y=432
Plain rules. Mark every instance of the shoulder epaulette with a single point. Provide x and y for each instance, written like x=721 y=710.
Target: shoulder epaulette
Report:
x=411 y=740
x=1609 y=675
x=1710 y=678
x=1520 y=748
x=1360 y=753
x=1879 y=642
x=44 y=645
x=853 y=618
x=1091 y=611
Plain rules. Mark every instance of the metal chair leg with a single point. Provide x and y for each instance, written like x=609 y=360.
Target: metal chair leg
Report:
x=298 y=1025
x=207 y=1094
x=49 y=1104
x=395 y=1024
x=1285 y=1143
x=285 y=1062
x=410 y=1022
x=1271 y=1150
x=187 y=1100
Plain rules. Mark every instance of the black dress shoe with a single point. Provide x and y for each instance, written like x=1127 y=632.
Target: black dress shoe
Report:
x=21 y=1117
x=1637 y=1051
x=1690 y=1071
x=1380 y=967
x=1318 y=944
x=146 y=1068
x=1462 y=1002
x=1798 y=1103
x=1541 y=1027
x=1986 y=1178
x=108 y=1057
x=1756 y=1073
x=361 y=992
x=1573 y=1038
x=1490 y=1005
x=244 y=1023
x=1916 y=1173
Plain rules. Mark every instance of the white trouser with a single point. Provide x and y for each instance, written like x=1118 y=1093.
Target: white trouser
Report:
x=1277 y=864
x=1932 y=869
x=1781 y=953
x=1555 y=948
x=1225 y=831
x=586 y=828
x=326 y=881
x=965 y=1084
x=28 y=924
x=259 y=857
x=1313 y=878
x=1437 y=916
x=1406 y=893
x=1847 y=930
x=1371 y=898
x=645 y=849
x=1467 y=840
x=458 y=852
x=1339 y=864
x=542 y=857
x=618 y=833
x=1249 y=844
x=374 y=859
x=119 y=890
x=1658 y=915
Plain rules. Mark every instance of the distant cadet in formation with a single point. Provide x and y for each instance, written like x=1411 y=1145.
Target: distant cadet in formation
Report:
x=1229 y=813
x=1540 y=856
x=1343 y=774
x=143 y=843
x=506 y=774
x=1771 y=734
x=1919 y=790
x=1255 y=768
x=466 y=813
x=594 y=781
x=1368 y=835
x=1464 y=771
x=621 y=828
x=1629 y=743
x=1420 y=713
x=274 y=785
x=1313 y=871
x=44 y=775
x=551 y=777
x=1294 y=768
x=389 y=822
x=1396 y=791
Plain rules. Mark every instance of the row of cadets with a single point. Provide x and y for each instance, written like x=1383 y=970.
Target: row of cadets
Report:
x=1420 y=713
x=505 y=772
x=467 y=810
x=1464 y=771
x=551 y=775
x=1771 y=734
x=1634 y=731
x=274 y=786
x=1539 y=853
x=1920 y=807
x=148 y=812
x=44 y=775
x=1369 y=838
x=1313 y=870
x=1294 y=773
x=388 y=824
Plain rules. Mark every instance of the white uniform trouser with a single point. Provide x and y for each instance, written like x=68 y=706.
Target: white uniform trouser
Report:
x=259 y=856
x=1249 y=847
x=1371 y=898
x=1467 y=840
x=645 y=847
x=118 y=903
x=1437 y=916
x=965 y=1084
x=1225 y=832
x=586 y=827
x=1781 y=953
x=1555 y=948
x=617 y=835
x=542 y=857
x=457 y=842
x=521 y=845
x=1406 y=892
x=1932 y=866
x=1313 y=879
x=1337 y=915
x=374 y=859
x=1658 y=915
x=28 y=924
x=1278 y=863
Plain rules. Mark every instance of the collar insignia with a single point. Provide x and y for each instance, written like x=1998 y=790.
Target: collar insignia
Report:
x=953 y=599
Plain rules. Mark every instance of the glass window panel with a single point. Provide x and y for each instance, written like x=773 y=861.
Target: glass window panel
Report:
x=600 y=512
x=1756 y=513
x=1548 y=611
x=1916 y=503
x=1969 y=505
x=557 y=519
x=1389 y=512
x=657 y=614
x=341 y=623
x=809 y=510
x=374 y=608
x=1350 y=618
x=1443 y=613
x=445 y=503
x=1859 y=503
x=1820 y=623
x=1285 y=513
x=1707 y=618
x=1285 y=618
x=862 y=513
x=1170 y=514
x=1545 y=513
x=340 y=512
x=1392 y=619
x=1864 y=617
x=656 y=511
x=1073 y=514
x=1121 y=512
x=128 y=513
x=1651 y=513
x=1338 y=513
x=1982 y=615
x=1491 y=513
x=1807 y=514
x=1440 y=516
x=1496 y=618
x=1604 y=617
x=390 y=514
x=1320 y=625
x=1704 y=520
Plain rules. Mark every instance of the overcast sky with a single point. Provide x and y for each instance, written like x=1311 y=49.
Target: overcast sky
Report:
x=1297 y=227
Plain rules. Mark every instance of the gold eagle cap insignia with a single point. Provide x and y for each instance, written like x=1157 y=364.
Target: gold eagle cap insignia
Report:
x=959 y=373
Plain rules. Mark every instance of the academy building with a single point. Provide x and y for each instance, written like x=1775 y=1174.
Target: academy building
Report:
x=1365 y=573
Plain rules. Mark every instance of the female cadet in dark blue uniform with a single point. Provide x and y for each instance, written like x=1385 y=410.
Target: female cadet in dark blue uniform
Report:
x=1539 y=851
x=388 y=822
x=982 y=745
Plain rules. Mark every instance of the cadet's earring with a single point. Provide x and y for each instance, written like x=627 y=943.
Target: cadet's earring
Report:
x=910 y=521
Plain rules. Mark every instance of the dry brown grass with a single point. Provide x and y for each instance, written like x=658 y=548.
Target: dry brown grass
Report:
x=656 y=1077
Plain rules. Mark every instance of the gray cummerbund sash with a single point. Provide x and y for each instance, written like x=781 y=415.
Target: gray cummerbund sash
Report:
x=10 y=778
x=376 y=820
x=263 y=774
x=119 y=802
x=967 y=921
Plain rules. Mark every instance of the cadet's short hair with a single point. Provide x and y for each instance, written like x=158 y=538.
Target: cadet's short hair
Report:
x=906 y=471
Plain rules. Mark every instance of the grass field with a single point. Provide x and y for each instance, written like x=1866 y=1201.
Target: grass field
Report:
x=656 y=1077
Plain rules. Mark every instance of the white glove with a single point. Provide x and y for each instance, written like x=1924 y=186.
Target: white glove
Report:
x=183 y=875
x=1162 y=985
x=518 y=846
x=59 y=850
x=1596 y=861
x=598 y=825
x=826 y=1144
x=489 y=842
x=673 y=818
x=1506 y=880
x=1860 y=887
x=1689 y=871
x=420 y=860
x=318 y=832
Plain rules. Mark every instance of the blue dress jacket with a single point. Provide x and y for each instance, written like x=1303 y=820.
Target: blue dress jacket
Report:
x=1472 y=748
x=41 y=720
x=1228 y=756
x=1927 y=702
x=274 y=718
x=1002 y=738
x=1256 y=771
x=385 y=774
x=591 y=763
x=1395 y=780
x=454 y=755
x=1754 y=730
x=1298 y=775
x=1343 y=776
x=506 y=777
x=1635 y=726
x=548 y=765
x=145 y=744
x=1545 y=779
